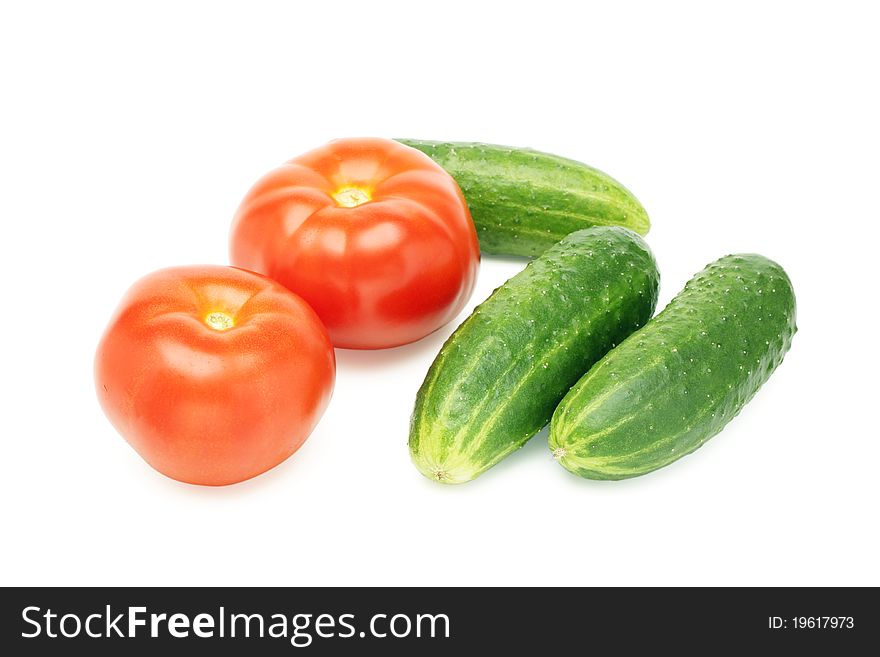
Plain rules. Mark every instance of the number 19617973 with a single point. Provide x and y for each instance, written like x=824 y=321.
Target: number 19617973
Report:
x=811 y=623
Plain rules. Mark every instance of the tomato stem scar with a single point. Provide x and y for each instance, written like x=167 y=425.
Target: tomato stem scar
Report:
x=350 y=197
x=219 y=321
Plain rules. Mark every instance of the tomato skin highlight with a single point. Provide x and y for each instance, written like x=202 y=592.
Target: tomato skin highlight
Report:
x=213 y=374
x=374 y=235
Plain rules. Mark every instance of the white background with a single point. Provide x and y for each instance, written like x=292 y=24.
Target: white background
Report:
x=129 y=134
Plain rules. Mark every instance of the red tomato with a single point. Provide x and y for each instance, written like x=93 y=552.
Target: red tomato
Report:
x=373 y=234
x=214 y=374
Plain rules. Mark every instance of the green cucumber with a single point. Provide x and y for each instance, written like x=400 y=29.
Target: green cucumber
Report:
x=524 y=201
x=499 y=376
x=675 y=383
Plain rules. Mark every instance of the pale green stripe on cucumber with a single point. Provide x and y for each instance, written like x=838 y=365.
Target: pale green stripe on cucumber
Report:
x=669 y=387
x=524 y=201
x=498 y=378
